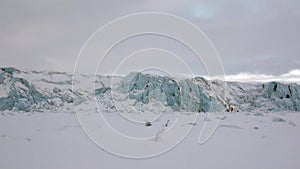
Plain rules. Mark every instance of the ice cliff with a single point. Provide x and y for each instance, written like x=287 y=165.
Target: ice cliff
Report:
x=27 y=91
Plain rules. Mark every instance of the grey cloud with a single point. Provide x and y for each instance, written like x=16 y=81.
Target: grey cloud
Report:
x=256 y=36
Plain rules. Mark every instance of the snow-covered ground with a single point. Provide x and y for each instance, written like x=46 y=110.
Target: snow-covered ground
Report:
x=39 y=127
x=242 y=140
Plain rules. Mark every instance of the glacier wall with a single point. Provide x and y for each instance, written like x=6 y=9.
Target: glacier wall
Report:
x=28 y=91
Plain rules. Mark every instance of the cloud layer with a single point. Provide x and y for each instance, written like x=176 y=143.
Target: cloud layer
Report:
x=255 y=36
x=292 y=76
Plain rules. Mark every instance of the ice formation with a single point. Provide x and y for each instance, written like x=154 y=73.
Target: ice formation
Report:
x=42 y=91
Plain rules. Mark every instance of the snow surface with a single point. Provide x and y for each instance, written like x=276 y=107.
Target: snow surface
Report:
x=39 y=127
x=242 y=140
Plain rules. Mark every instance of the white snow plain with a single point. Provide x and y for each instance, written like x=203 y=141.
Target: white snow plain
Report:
x=242 y=140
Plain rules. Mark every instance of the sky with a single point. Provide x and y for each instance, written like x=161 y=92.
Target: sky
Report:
x=259 y=37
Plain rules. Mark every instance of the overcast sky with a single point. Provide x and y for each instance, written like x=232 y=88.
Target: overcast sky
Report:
x=252 y=36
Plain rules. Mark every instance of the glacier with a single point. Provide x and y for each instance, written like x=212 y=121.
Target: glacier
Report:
x=28 y=91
